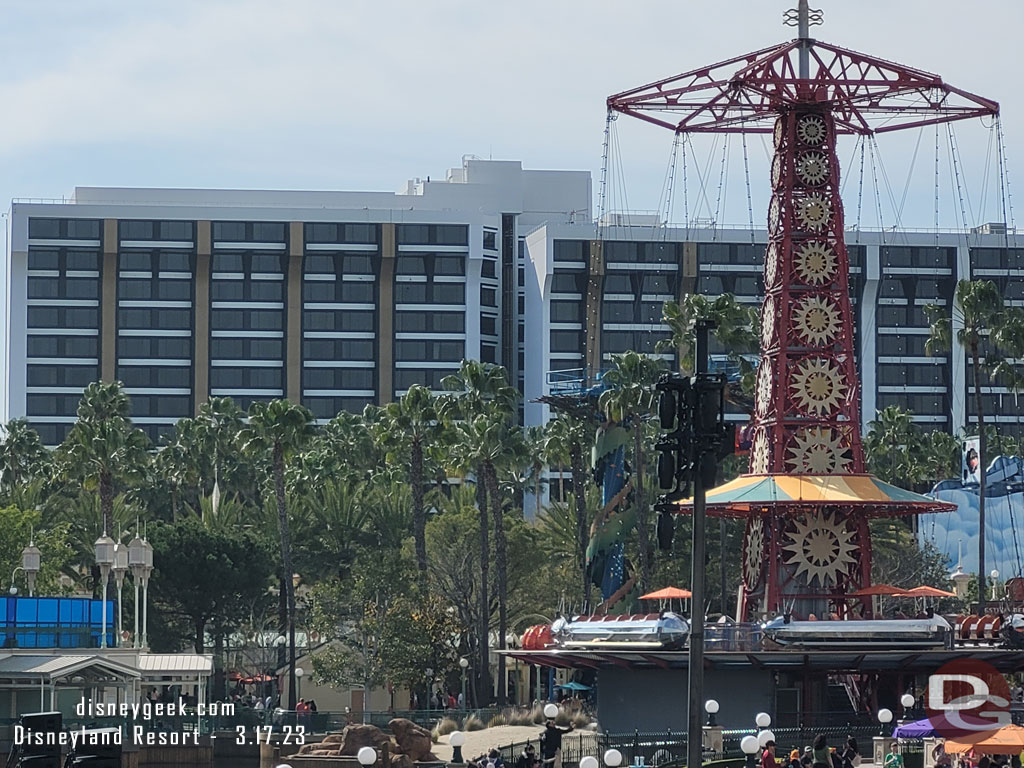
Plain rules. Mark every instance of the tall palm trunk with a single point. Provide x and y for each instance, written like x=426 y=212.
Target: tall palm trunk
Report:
x=106 y=487
x=981 y=477
x=501 y=564
x=642 y=523
x=419 y=515
x=483 y=675
x=578 y=484
x=286 y=566
x=537 y=469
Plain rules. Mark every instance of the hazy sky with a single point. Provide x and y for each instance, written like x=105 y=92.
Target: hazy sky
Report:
x=354 y=94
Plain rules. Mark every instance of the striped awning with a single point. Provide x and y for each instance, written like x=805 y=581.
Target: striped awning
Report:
x=750 y=492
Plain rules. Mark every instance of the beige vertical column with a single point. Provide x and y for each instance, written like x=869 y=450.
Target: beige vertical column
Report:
x=108 y=302
x=293 y=342
x=201 y=312
x=386 y=316
x=688 y=277
x=595 y=294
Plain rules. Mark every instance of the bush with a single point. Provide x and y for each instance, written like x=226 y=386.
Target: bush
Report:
x=580 y=720
x=445 y=726
x=497 y=720
x=537 y=714
x=473 y=723
x=520 y=716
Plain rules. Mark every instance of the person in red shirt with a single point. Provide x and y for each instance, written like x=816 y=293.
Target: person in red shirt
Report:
x=768 y=756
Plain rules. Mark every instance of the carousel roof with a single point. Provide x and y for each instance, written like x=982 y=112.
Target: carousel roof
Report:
x=749 y=492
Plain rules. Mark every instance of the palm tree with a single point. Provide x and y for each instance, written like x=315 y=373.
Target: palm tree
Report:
x=892 y=447
x=406 y=430
x=735 y=327
x=22 y=455
x=103 y=448
x=940 y=456
x=280 y=429
x=218 y=425
x=629 y=400
x=481 y=390
x=566 y=435
x=986 y=328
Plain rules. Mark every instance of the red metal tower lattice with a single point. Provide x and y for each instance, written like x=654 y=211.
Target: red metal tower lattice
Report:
x=806 y=500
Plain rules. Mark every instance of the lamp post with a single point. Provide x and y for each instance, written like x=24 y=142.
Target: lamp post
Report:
x=748 y=745
x=763 y=719
x=430 y=687
x=456 y=739
x=147 y=571
x=612 y=758
x=31 y=559
x=366 y=756
x=463 y=665
x=120 y=569
x=711 y=707
x=104 y=551
x=995 y=584
x=589 y=761
x=907 y=701
x=299 y=672
x=764 y=737
x=884 y=718
x=137 y=563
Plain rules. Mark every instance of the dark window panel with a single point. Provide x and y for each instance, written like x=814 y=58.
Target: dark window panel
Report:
x=338 y=349
x=43 y=258
x=339 y=378
x=572 y=250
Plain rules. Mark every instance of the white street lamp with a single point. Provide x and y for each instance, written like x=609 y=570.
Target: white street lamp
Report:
x=31 y=559
x=137 y=564
x=749 y=747
x=456 y=739
x=884 y=718
x=613 y=758
x=711 y=707
x=995 y=583
x=147 y=571
x=907 y=700
x=589 y=762
x=764 y=737
x=550 y=711
x=366 y=756
x=464 y=665
x=299 y=672
x=104 y=552
x=120 y=569
x=763 y=719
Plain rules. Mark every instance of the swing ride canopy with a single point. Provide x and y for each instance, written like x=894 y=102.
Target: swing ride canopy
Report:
x=746 y=493
x=866 y=94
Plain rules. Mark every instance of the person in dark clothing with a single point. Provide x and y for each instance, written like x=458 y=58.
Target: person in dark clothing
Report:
x=850 y=753
x=553 y=742
x=528 y=758
x=836 y=760
x=494 y=759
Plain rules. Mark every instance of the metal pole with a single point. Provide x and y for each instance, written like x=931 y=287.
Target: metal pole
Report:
x=145 y=613
x=695 y=707
x=120 y=584
x=804 y=31
x=103 y=636
x=135 y=637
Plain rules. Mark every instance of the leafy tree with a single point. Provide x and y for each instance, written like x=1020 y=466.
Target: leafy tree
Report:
x=629 y=400
x=735 y=327
x=986 y=329
x=20 y=527
x=940 y=456
x=280 y=429
x=103 y=448
x=205 y=576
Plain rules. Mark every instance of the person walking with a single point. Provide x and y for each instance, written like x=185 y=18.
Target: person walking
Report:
x=819 y=752
x=553 y=743
x=768 y=756
x=850 y=757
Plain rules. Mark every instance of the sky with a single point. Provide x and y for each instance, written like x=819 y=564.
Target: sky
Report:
x=364 y=94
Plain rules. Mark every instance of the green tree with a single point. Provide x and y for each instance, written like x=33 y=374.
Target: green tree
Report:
x=893 y=447
x=986 y=329
x=22 y=456
x=629 y=400
x=20 y=527
x=279 y=429
x=940 y=456
x=407 y=429
x=735 y=327
x=103 y=448
x=205 y=576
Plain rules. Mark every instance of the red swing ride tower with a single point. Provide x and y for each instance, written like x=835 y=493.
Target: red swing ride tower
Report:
x=806 y=499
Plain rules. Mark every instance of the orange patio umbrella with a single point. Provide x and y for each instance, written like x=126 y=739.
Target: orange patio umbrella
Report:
x=876 y=589
x=926 y=591
x=668 y=593
x=1007 y=740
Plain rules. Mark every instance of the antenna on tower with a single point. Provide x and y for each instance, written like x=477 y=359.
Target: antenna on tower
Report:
x=803 y=18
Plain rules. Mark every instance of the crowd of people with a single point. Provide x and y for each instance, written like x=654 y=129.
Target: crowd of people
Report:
x=437 y=700
x=550 y=751
x=817 y=755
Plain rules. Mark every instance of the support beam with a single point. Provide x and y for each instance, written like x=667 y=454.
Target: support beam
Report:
x=201 y=309
x=386 y=316
x=108 y=303
x=594 y=298
x=293 y=343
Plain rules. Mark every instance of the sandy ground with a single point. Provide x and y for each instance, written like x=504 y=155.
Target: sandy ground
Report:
x=479 y=742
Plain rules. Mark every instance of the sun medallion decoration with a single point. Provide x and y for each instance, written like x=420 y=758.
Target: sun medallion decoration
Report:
x=815 y=263
x=767 y=322
x=812 y=168
x=771 y=265
x=811 y=130
x=759 y=451
x=816 y=320
x=817 y=386
x=812 y=212
x=822 y=547
x=763 y=391
x=817 y=451
x=753 y=553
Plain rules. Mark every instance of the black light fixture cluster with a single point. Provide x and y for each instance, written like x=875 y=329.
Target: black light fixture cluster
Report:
x=692 y=412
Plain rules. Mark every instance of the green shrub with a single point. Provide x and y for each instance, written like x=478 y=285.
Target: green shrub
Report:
x=473 y=723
